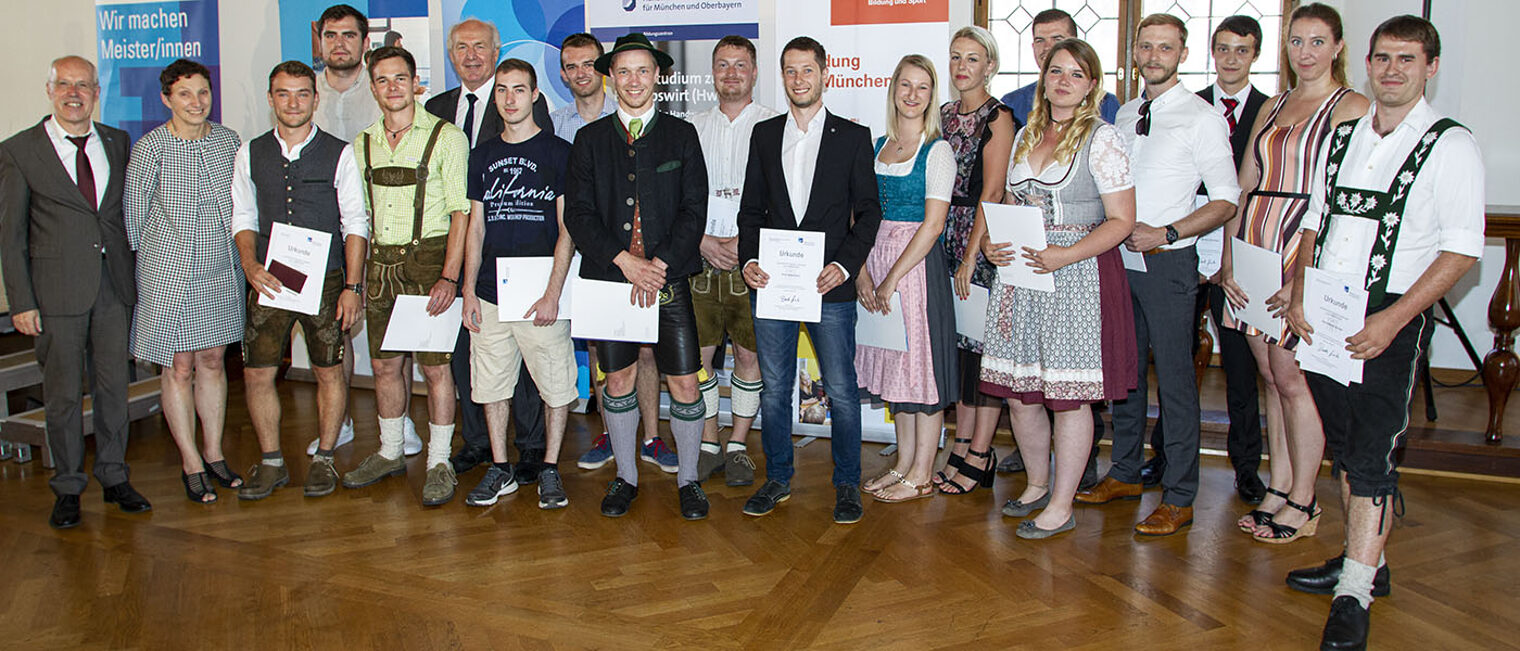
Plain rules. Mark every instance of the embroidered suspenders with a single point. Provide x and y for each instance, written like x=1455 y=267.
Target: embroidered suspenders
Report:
x=396 y=176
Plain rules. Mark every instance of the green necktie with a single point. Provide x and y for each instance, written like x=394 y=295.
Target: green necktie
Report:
x=636 y=127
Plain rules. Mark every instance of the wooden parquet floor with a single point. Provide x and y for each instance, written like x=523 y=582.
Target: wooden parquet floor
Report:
x=372 y=569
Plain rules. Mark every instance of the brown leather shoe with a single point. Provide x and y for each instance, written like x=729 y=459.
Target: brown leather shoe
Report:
x=1165 y=520
x=1108 y=490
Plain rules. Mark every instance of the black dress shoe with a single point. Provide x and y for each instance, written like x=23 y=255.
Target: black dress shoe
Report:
x=1322 y=579
x=127 y=498
x=1151 y=472
x=65 y=512
x=620 y=495
x=468 y=458
x=847 y=508
x=1249 y=487
x=765 y=500
x=1347 y=626
x=693 y=502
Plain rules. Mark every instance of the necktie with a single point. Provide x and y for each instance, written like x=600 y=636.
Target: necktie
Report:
x=1229 y=111
x=84 y=175
x=636 y=240
x=469 y=119
x=636 y=127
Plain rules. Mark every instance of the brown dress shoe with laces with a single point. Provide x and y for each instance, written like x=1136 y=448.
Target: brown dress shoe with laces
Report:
x=1165 y=520
x=1108 y=490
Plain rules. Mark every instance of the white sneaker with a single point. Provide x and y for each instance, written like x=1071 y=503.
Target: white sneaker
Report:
x=411 y=444
x=345 y=436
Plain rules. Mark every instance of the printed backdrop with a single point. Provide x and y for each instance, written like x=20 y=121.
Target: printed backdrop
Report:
x=135 y=41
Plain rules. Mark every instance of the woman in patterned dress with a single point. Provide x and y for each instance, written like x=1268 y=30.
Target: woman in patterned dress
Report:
x=979 y=129
x=178 y=211
x=1067 y=349
x=1276 y=175
x=915 y=174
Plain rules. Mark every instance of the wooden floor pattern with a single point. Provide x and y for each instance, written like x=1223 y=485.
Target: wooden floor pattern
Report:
x=371 y=568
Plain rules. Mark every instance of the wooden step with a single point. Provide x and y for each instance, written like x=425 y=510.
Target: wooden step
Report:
x=30 y=427
x=19 y=371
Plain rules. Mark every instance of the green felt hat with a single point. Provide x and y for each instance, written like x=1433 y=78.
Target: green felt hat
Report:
x=634 y=41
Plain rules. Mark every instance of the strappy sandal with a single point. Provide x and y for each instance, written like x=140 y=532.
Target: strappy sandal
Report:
x=920 y=491
x=1280 y=534
x=197 y=487
x=222 y=474
x=953 y=461
x=980 y=477
x=1260 y=518
x=890 y=472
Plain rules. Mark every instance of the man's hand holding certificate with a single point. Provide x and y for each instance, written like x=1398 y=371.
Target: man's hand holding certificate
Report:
x=297 y=264
x=1335 y=310
x=788 y=276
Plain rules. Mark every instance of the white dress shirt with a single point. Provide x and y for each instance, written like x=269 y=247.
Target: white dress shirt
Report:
x=1240 y=102
x=1189 y=142
x=346 y=113
x=94 y=150
x=348 y=182
x=725 y=147
x=799 y=159
x=567 y=119
x=483 y=103
x=1444 y=210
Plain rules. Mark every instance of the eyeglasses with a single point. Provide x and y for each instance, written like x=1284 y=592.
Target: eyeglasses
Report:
x=1143 y=127
x=74 y=85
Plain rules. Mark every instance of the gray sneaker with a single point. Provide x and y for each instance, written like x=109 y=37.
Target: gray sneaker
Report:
x=439 y=487
x=321 y=477
x=495 y=484
x=707 y=464
x=551 y=491
x=738 y=469
x=372 y=469
x=262 y=480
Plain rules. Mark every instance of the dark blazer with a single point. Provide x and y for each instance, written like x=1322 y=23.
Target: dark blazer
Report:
x=443 y=106
x=1240 y=140
x=842 y=205
x=664 y=169
x=50 y=238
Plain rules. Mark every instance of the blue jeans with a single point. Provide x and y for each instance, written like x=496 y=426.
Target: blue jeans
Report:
x=834 y=339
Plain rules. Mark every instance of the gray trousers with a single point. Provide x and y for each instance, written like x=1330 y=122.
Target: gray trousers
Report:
x=68 y=345
x=1164 y=327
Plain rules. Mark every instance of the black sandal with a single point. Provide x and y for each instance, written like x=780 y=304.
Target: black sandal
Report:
x=954 y=459
x=1260 y=518
x=1280 y=533
x=222 y=474
x=980 y=477
x=197 y=487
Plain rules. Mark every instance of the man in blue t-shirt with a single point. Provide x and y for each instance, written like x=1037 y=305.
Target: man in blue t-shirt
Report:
x=1050 y=27
x=514 y=186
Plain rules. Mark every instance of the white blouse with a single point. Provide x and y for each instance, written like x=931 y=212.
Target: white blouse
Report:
x=939 y=170
x=1107 y=159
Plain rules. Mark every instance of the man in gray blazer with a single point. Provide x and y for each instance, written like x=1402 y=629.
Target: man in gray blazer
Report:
x=69 y=277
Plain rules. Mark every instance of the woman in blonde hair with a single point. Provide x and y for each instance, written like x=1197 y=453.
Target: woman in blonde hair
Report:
x=915 y=175
x=1067 y=349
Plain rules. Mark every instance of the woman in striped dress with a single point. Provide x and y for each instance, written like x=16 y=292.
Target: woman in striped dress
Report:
x=178 y=210
x=1276 y=175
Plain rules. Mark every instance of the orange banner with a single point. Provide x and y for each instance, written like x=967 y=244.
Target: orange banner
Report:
x=885 y=12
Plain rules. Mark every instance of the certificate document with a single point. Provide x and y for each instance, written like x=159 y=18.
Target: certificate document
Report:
x=722 y=216
x=1210 y=248
x=878 y=330
x=971 y=314
x=793 y=260
x=601 y=311
x=412 y=329
x=520 y=282
x=1337 y=309
x=1133 y=260
x=1023 y=226
x=298 y=257
x=1258 y=271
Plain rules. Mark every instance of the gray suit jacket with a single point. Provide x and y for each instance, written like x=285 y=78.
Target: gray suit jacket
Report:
x=50 y=238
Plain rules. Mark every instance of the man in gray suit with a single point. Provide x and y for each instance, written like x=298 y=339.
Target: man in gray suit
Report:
x=60 y=212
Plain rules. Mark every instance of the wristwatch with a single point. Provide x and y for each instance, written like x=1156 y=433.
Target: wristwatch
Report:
x=1171 y=234
x=357 y=288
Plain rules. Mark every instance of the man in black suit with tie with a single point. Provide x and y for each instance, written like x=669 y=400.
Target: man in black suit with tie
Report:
x=1237 y=45
x=810 y=170
x=69 y=277
x=474 y=47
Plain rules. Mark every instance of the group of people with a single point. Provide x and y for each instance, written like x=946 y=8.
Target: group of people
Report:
x=425 y=201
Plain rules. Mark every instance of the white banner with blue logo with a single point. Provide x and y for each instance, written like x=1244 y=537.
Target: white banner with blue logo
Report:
x=673 y=20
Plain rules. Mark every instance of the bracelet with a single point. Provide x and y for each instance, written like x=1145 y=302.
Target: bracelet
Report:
x=449 y=280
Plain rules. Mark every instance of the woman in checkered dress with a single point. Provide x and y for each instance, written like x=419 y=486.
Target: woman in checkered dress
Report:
x=178 y=210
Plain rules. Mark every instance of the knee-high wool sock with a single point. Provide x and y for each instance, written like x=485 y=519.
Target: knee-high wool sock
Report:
x=686 y=427
x=621 y=416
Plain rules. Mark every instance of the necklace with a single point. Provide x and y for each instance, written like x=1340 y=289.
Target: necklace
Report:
x=200 y=133
x=397 y=132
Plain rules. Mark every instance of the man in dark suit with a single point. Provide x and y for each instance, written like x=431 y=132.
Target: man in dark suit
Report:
x=474 y=47
x=69 y=277
x=1236 y=45
x=810 y=170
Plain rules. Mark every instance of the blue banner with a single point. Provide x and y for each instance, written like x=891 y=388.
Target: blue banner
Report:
x=530 y=30
x=136 y=41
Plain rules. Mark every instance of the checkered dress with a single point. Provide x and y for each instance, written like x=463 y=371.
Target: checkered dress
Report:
x=178 y=210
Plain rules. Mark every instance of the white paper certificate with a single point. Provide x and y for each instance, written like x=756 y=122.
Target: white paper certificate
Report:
x=793 y=260
x=1336 y=309
x=601 y=311
x=520 y=282
x=298 y=257
x=971 y=314
x=1133 y=260
x=412 y=329
x=1210 y=251
x=1022 y=226
x=722 y=216
x=1258 y=271
x=878 y=330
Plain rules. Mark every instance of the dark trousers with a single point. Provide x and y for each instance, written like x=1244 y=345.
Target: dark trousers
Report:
x=67 y=345
x=1241 y=397
x=527 y=407
x=1163 y=299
